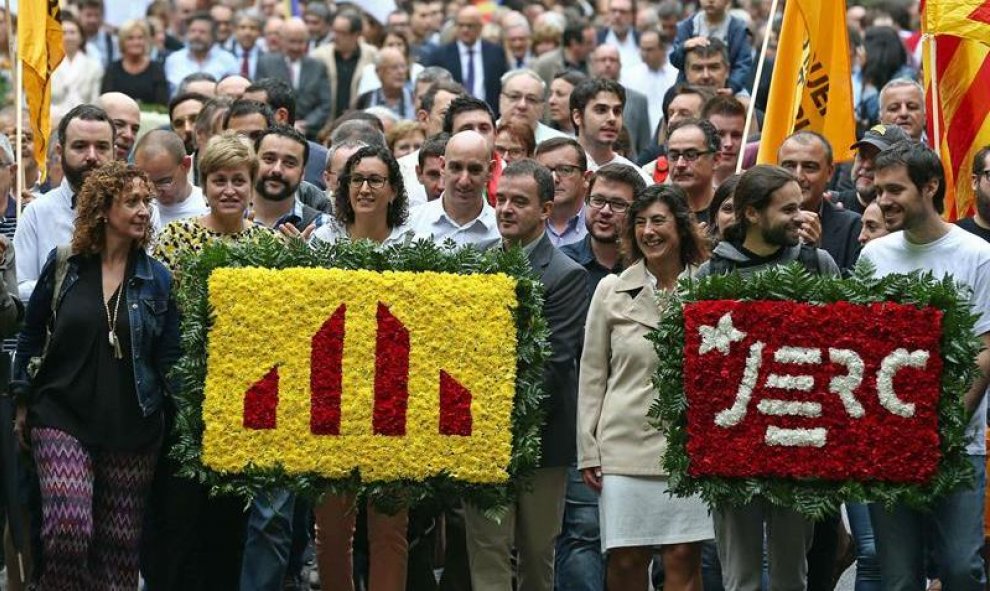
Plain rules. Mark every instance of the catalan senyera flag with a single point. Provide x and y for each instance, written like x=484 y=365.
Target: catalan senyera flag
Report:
x=39 y=46
x=961 y=68
x=969 y=19
x=810 y=89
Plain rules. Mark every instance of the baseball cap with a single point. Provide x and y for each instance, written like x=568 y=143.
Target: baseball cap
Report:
x=882 y=136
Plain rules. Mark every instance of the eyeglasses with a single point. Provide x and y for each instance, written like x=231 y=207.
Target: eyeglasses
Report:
x=515 y=97
x=617 y=205
x=163 y=183
x=565 y=170
x=688 y=155
x=514 y=153
x=375 y=182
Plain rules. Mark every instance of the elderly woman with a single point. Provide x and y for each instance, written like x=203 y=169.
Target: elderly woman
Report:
x=405 y=137
x=370 y=205
x=135 y=73
x=197 y=540
x=101 y=333
x=77 y=79
x=618 y=450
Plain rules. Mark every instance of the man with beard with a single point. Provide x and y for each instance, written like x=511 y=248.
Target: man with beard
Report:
x=201 y=54
x=567 y=162
x=282 y=153
x=979 y=223
x=182 y=113
x=125 y=114
x=611 y=189
x=808 y=156
x=877 y=138
x=910 y=185
x=694 y=150
x=606 y=62
x=768 y=232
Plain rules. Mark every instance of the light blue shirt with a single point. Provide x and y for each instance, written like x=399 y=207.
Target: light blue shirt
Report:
x=180 y=64
x=431 y=222
x=575 y=231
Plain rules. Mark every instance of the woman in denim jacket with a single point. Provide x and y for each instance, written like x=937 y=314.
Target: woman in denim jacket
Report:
x=90 y=377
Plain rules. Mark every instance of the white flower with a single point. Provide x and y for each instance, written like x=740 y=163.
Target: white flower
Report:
x=795 y=437
x=791 y=408
x=798 y=355
x=731 y=417
x=845 y=385
x=719 y=337
x=891 y=364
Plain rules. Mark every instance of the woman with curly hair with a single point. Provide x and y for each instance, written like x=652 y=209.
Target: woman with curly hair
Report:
x=371 y=203
x=101 y=333
x=617 y=447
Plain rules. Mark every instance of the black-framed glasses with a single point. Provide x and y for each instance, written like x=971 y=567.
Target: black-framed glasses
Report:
x=374 y=181
x=565 y=170
x=617 y=205
x=688 y=155
x=511 y=152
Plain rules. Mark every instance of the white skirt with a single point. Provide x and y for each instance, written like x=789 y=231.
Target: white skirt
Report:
x=638 y=511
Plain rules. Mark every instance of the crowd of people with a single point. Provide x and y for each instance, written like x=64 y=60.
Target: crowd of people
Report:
x=603 y=137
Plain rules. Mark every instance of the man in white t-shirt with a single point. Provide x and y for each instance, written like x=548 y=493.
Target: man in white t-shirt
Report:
x=162 y=156
x=910 y=185
x=597 y=105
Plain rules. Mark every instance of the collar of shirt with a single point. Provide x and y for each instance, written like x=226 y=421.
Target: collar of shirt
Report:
x=486 y=218
x=463 y=49
x=573 y=224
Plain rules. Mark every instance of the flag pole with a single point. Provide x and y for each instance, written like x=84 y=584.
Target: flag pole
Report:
x=936 y=102
x=751 y=108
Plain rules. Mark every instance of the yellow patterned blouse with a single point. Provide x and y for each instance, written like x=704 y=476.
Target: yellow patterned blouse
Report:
x=190 y=234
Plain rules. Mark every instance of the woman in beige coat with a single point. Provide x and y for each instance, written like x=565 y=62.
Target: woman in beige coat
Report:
x=619 y=452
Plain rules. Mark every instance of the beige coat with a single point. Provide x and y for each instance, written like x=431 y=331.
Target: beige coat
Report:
x=614 y=389
x=324 y=53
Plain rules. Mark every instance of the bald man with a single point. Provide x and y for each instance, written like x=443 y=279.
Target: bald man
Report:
x=477 y=64
x=161 y=154
x=126 y=118
x=307 y=76
x=233 y=86
x=462 y=213
x=395 y=93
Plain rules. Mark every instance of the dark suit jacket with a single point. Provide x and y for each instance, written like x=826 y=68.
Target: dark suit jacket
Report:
x=315 y=165
x=840 y=235
x=493 y=62
x=636 y=118
x=313 y=94
x=565 y=305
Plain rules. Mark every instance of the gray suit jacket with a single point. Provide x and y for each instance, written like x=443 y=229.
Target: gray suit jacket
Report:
x=565 y=305
x=548 y=64
x=313 y=93
x=636 y=118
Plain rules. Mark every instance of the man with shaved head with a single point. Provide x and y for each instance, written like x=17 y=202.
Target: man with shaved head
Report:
x=233 y=86
x=307 y=76
x=161 y=154
x=461 y=213
x=126 y=118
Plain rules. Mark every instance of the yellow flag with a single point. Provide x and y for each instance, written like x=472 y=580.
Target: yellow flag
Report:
x=811 y=88
x=39 y=46
x=962 y=18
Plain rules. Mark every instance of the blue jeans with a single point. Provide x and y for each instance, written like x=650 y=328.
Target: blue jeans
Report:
x=955 y=527
x=578 y=562
x=867 y=567
x=269 y=541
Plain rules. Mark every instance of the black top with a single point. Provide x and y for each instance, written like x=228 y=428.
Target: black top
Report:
x=346 y=67
x=583 y=255
x=82 y=389
x=970 y=225
x=150 y=87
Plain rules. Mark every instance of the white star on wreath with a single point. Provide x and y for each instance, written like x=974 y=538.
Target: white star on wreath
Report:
x=719 y=337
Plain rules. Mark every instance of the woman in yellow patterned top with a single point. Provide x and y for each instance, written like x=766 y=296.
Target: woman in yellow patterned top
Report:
x=227 y=171
x=198 y=538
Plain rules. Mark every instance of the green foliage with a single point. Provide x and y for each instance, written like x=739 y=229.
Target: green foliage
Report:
x=274 y=253
x=816 y=499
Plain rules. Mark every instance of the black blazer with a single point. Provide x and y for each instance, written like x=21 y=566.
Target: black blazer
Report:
x=840 y=235
x=493 y=62
x=565 y=305
x=313 y=94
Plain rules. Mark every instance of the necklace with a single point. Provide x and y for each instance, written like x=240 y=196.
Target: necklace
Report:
x=112 y=323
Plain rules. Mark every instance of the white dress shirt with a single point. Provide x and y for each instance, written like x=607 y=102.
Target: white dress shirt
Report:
x=429 y=221
x=628 y=49
x=478 y=89
x=652 y=83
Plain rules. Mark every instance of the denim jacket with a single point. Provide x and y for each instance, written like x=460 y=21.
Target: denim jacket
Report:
x=153 y=316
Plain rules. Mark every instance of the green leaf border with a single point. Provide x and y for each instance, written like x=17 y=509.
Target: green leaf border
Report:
x=818 y=498
x=272 y=252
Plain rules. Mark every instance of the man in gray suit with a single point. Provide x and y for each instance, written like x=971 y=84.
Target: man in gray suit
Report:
x=306 y=75
x=606 y=62
x=578 y=41
x=524 y=200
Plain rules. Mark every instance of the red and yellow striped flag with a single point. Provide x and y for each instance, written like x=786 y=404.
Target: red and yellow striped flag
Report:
x=961 y=68
x=810 y=87
x=39 y=46
x=962 y=18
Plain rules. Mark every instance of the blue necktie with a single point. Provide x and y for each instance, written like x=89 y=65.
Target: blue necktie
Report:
x=469 y=78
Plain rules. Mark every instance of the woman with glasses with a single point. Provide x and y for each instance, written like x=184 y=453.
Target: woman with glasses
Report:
x=370 y=205
x=514 y=141
x=619 y=450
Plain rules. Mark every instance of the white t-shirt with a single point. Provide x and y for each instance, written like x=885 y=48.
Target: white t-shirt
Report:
x=618 y=159
x=193 y=206
x=967 y=259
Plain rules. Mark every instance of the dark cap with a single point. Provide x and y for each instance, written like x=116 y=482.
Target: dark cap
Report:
x=882 y=136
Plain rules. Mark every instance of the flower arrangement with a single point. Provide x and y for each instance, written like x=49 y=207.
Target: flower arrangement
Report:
x=407 y=372
x=814 y=390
